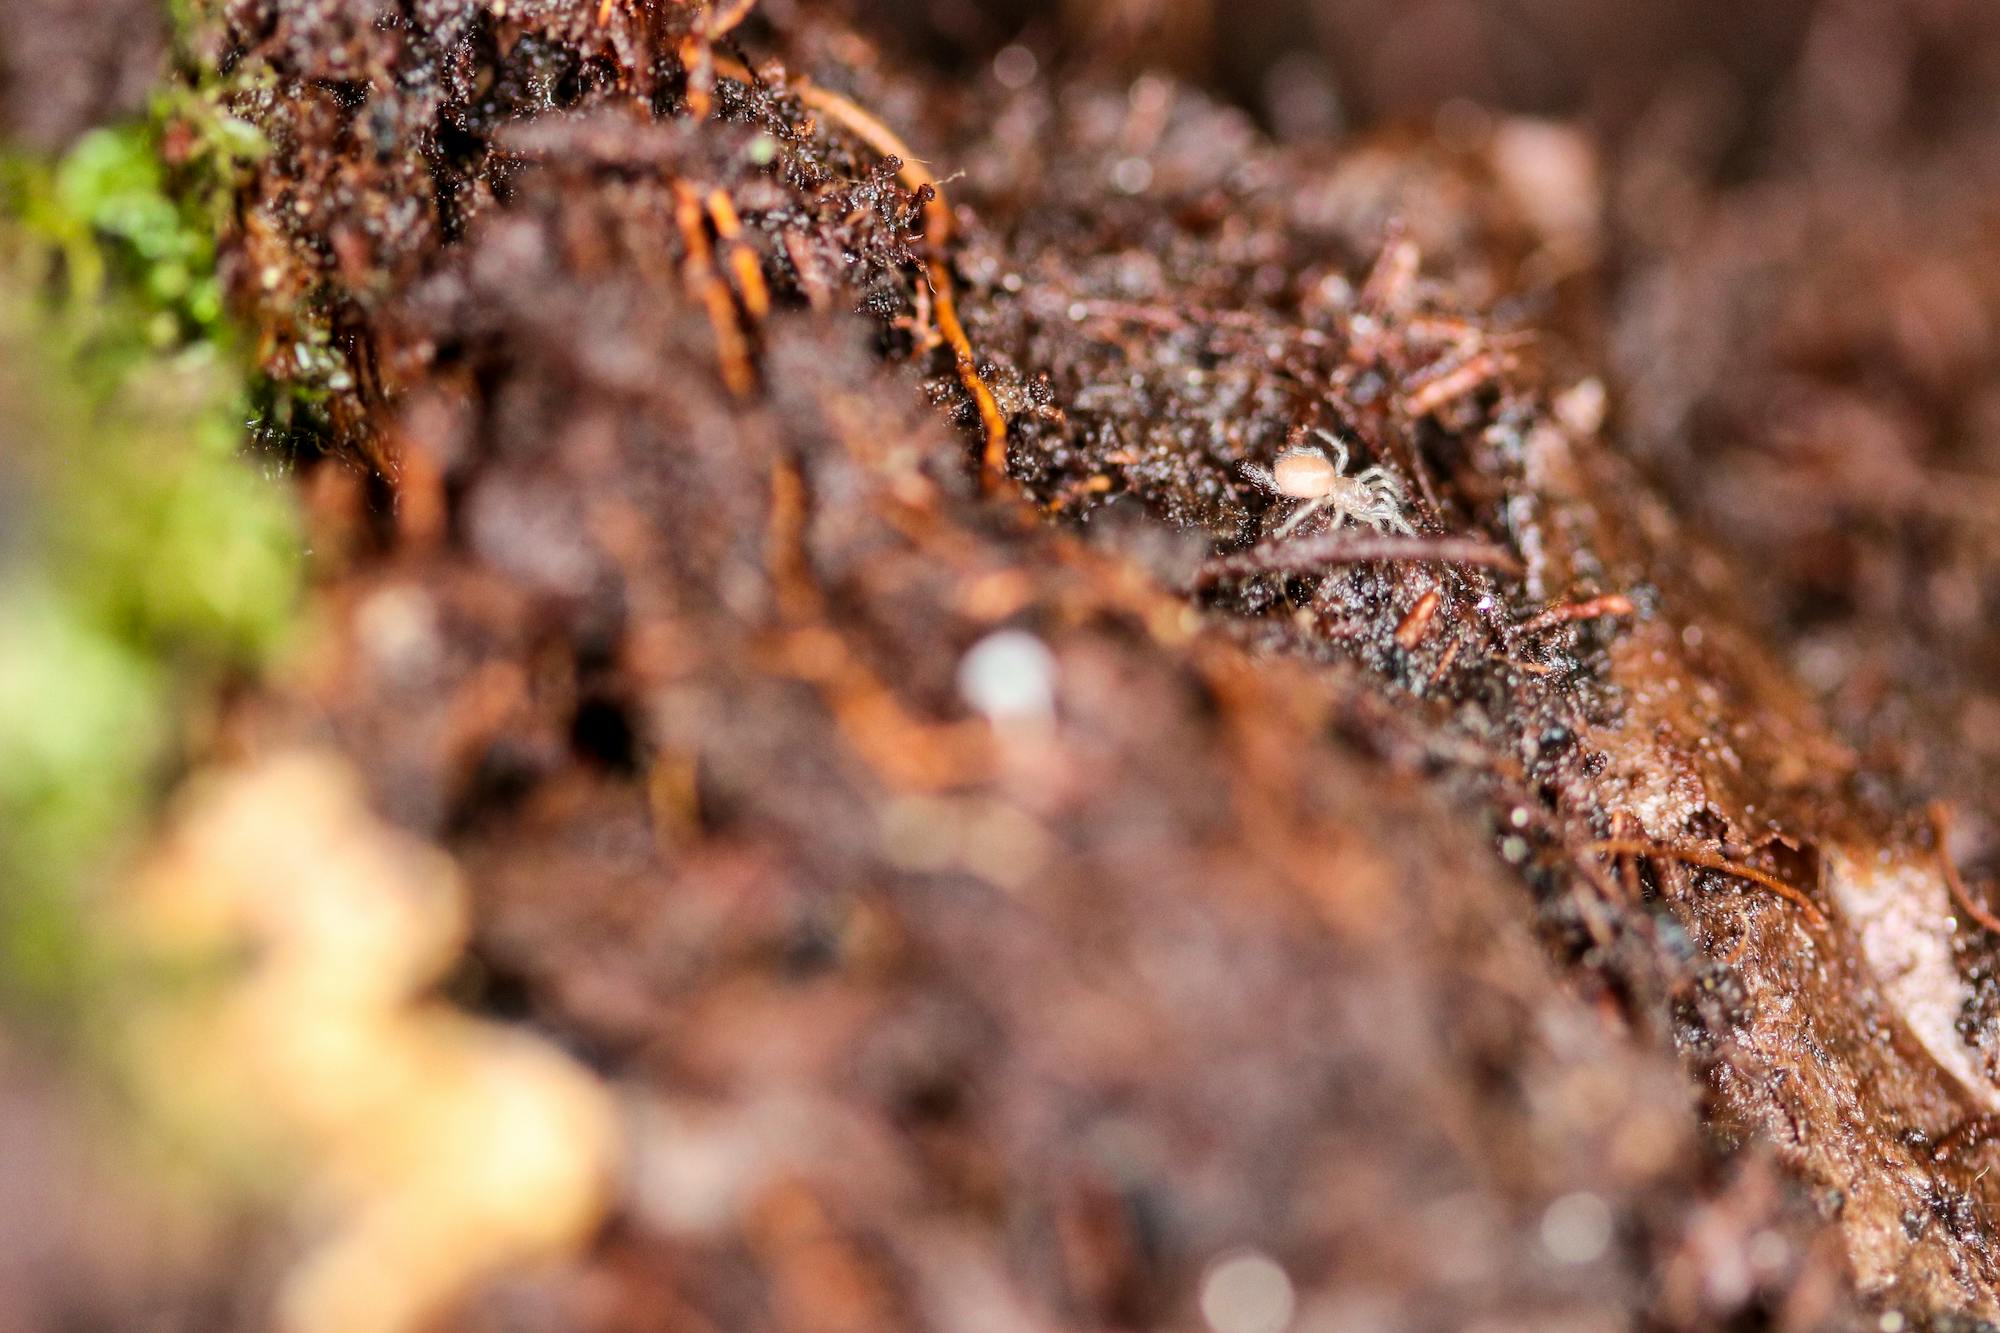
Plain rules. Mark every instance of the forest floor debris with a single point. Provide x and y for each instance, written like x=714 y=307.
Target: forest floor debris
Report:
x=1488 y=923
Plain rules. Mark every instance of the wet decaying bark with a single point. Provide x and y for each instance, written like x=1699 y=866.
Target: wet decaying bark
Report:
x=1003 y=878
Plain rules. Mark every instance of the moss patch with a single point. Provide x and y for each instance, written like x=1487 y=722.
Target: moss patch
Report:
x=144 y=560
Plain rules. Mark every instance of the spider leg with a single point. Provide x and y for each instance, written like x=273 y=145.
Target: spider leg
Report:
x=1305 y=511
x=1383 y=484
x=1339 y=448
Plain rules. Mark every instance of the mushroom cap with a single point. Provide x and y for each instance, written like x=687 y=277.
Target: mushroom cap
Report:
x=1304 y=473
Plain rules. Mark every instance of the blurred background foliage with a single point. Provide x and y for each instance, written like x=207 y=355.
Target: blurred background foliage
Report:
x=142 y=558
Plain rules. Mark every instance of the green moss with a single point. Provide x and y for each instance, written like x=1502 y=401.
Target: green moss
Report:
x=125 y=226
x=145 y=559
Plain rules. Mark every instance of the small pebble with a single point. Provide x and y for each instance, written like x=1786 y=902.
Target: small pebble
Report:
x=1577 y=1228
x=1009 y=676
x=1247 y=1292
x=1015 y=67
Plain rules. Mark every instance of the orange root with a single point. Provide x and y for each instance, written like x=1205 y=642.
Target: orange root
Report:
x=864 y=126
x=1941 y=831
x=742 y=259
x=1688 y=856
x=731 y=343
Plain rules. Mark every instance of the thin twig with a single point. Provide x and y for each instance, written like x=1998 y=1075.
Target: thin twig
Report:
x=1395 y=272
x=1411 y=630
x=1445 y=383
x=1941 y=833
x=1975 y=1130
x=697 y=56
x=723 y=21
x=1177 y=320
x=907 y=751
x=733 y=346
x=1689 y=856
x=749 y=273
x=1340 y=548
x=1611 y=604
x=937 y=235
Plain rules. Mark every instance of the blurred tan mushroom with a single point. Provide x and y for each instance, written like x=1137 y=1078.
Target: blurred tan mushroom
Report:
x=423 y=1149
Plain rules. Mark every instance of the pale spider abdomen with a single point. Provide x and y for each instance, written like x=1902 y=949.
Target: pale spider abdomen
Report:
x=1304 y=474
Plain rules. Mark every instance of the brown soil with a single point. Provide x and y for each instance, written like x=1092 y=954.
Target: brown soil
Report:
x=66 y=68
x=1410 y=910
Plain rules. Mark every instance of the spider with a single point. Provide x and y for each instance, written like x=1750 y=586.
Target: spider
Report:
x=1304 y=472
